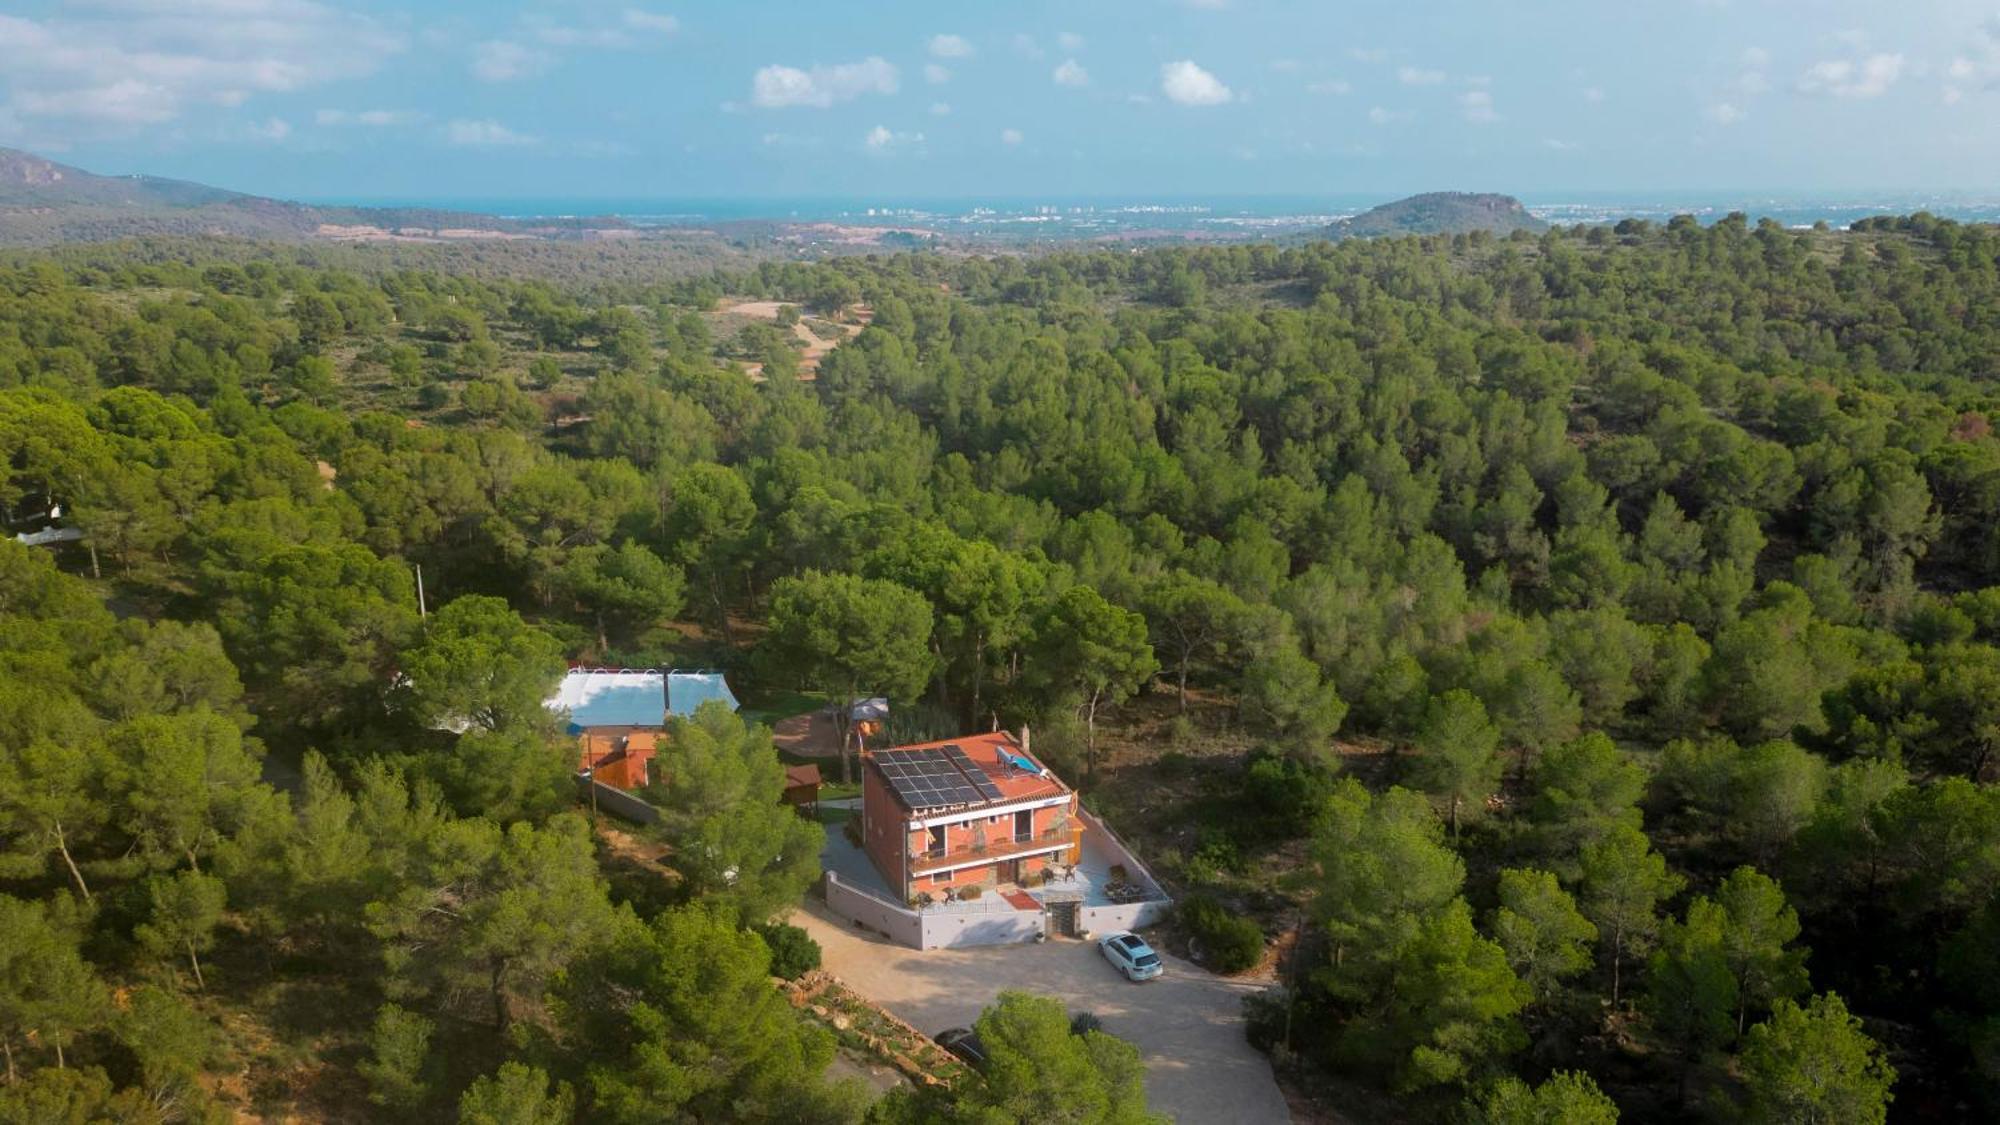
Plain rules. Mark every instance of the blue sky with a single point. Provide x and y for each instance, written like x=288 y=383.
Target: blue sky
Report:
x=1089 y=97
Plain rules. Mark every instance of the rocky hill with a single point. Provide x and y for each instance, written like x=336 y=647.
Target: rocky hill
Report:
x=42 y=201
x=1440 y=212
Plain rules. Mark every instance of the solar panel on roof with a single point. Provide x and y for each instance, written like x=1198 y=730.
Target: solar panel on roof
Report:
x=931 y=779
x=973 y=773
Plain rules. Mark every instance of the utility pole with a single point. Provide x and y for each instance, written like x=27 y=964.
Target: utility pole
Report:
x=422 y=615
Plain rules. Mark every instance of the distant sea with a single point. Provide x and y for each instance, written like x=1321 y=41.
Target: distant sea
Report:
x=1222 y=214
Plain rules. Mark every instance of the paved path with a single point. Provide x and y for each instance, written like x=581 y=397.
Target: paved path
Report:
x=1188 y=1024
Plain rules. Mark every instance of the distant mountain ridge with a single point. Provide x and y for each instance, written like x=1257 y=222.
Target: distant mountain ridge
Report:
x=1440 y=212
x=42 y=201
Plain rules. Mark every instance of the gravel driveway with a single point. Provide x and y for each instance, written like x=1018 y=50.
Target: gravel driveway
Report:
x=1188 y=1023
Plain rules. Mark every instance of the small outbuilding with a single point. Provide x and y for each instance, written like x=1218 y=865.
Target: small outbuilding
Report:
x=802 y=787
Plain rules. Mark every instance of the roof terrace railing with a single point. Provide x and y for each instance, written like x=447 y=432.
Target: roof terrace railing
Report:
x=931 y=859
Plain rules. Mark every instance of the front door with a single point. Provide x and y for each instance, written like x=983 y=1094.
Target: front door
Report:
x=1065 y=917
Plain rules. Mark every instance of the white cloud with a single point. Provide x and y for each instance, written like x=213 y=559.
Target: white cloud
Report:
x=641 y=20
x=633 y=28
x=1026 y=45
x=562 y=35
x=1010 y=136
x=602 y=150
x=120 y=104
x=501 y=60
x=1071 y=73
x=791 y=140
x=936 y=75
x=1419 y=76
x=940 y=109
x=1593 y=94
x=1869 y=77
x=273 y=129
x=1978 y=67
x=109 y=66
x=1728 y=102
x=1185 y=83
x=1380 y=116
x=532 y=47
x=1283 y=66
x=1368 y=54
x=485 y=134
x=1477 y=105
x=369 y=118
x=950 y=47
x=1330 y=86
x=881 y=139
x=1069 y=41
x=1556 y=145
x=776 y=87
x=1751 y=79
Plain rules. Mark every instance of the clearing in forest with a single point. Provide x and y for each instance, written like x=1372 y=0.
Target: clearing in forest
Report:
x=808 y=331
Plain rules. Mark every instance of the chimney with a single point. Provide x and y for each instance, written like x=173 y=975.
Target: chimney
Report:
x=1024 y=738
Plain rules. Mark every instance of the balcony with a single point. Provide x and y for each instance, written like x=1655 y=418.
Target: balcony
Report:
x=924 y=862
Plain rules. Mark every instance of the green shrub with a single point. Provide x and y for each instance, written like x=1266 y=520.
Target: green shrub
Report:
x=1283 y=795
x=793 y=951
x=1214 y=856
x=1264 y=1018
x=1228 y=942
x=967 y=894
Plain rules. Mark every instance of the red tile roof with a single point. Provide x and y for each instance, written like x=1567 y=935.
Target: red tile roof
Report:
x=622 y=760
x=991 y=753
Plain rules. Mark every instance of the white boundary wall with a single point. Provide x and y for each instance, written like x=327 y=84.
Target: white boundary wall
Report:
x=931 y=929
x=1101 y=920
x=897 y=923
x=1125 y=915
x=944 y=929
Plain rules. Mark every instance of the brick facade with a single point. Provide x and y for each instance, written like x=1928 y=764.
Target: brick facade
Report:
x=974 y=847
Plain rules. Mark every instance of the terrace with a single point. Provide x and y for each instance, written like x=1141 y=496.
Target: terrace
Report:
x=1091 y=878
x=938 y=859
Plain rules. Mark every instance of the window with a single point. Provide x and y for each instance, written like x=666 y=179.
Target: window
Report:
x=940 y=877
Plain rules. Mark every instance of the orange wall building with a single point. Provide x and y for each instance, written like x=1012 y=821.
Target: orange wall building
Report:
x=620 y=758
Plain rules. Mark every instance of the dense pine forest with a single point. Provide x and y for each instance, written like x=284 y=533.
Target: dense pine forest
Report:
x=1570 y=663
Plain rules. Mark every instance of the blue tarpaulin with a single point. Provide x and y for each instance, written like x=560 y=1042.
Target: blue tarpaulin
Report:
x=689 y=690
x=608 y=698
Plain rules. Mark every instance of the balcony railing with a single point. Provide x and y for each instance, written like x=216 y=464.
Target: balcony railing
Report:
x=932 y=859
